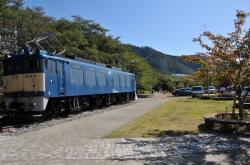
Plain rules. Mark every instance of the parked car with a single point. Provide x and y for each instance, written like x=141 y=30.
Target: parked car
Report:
x=211 y=89
x=227 y=90
x=197 y=90
x=221 y=89
x=245 y=91
x=181 y=92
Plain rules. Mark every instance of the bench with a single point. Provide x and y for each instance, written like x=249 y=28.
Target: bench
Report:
x=211 y=119
x=245 y=105
x=223 y=98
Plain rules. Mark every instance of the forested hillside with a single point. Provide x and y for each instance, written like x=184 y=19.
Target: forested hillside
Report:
x=164 y=63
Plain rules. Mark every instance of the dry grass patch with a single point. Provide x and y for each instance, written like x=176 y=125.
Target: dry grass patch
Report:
x=178 y=116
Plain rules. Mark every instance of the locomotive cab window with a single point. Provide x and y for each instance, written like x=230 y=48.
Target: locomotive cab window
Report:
x=18 y=65
x=8 y=66
x=33 y=63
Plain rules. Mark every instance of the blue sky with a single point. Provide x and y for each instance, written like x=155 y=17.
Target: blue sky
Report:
x=167 y=26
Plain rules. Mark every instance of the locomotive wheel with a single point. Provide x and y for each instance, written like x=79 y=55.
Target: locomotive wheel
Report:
x=67 y=107
x=84 y=103
x=113 y=99
x=126 y=98
x=95 y=103
x=119 y=99
x=105 y=101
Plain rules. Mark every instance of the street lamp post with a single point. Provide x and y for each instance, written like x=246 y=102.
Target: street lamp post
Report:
x=133 y=63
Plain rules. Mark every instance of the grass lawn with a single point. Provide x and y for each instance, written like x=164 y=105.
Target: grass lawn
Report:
x=179 y=116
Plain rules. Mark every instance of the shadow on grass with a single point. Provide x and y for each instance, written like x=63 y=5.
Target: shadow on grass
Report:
x=157 y=133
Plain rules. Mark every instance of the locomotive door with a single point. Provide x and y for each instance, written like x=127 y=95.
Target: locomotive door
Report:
x=133 y=83
x=61 y=77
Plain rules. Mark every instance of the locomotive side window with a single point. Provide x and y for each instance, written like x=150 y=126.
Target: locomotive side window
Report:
x=116 y=80
x=101 y=78
x=122 y=78
x=51 y=67
x=77 y=75
x=8 y=66
x=60 y=67
x=128 y=81
x=90 y=76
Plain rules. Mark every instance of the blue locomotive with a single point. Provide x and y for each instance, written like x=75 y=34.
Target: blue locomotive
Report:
x=40 y=83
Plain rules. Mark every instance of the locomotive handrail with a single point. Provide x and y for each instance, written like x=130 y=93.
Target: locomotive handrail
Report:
x=35 y=89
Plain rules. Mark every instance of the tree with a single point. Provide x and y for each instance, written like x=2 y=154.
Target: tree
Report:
x=231 y=54
x=20 y=25
x=7 y=27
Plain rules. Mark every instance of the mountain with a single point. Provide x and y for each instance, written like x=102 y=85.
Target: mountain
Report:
x=164 y=63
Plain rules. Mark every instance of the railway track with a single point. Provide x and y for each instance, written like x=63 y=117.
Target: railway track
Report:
x=8 y=128
x=9 y=124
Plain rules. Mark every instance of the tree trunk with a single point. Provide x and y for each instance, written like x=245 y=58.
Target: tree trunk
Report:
x=241 y=102
x=234 y=103
x=234 y=116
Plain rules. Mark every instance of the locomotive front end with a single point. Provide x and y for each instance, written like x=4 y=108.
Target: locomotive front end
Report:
x=24 y=83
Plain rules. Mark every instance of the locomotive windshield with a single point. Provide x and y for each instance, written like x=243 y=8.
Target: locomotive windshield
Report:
x=33 y=63
x=16 y=65
x=8 y=66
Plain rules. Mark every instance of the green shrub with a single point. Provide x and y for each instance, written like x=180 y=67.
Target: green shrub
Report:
x=205 y=97
x=147 y=92
x=140 y=91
